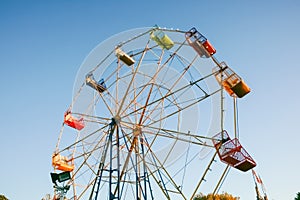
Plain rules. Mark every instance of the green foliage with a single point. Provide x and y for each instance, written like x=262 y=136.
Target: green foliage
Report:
x=224 y=196
x=298 y=196
x=2 y=197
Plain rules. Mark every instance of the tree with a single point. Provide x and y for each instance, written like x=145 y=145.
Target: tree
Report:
x=224 y=196
x=2 y=197
x=298 y=196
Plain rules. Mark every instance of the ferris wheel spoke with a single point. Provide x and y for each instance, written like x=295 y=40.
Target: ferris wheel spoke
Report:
x=145 y=106
x=128 y=157
x=142 y=89
x=159 y=69
x=198 y=138
x=114 y=98
x=187 y=106
x=171 y=134
x=159 y=180
x=135 y=37
x=108 y=97
x=105 y=59
x=87 y=154
x=82 y=139
x=157 y=171
x=78 y=173
x=160 y=166
x=107 y=105
x=86 y=188
x=122 y=176
x=175 y=92
x=184 y=167
x=138 y=163
x=94 y=119
x=146 y=167
x=131 y=81
x=149 y=93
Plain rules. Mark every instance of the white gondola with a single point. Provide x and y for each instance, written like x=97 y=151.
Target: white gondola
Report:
x=99 y=86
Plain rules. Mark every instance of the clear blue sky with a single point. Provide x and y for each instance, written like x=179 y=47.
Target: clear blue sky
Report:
x=43 y=43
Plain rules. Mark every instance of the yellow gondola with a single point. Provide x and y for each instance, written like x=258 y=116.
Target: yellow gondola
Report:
x=162 y=39
x=124 y=57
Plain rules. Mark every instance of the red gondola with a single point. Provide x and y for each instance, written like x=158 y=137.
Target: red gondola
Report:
x=231 y=152
x=200 y=44
x=72 y=121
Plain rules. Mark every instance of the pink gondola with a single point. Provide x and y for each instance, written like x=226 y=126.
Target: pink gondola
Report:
x=72 y=121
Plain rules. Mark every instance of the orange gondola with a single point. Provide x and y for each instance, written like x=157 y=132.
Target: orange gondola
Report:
x=62 y=163
x=232 y=83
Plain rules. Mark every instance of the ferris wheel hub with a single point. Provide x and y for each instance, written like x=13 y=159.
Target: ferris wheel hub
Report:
x=116 y=119
x=137 y=130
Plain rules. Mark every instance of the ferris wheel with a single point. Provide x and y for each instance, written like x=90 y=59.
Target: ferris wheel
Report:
x=147 y=106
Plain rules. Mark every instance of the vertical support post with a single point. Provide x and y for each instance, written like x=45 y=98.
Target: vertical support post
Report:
x=114 y=185
x=235 y=117
x=118 y=162
x=222 y=93
x=137 y=176
x=222 y=105
x=100 y=171
x=144 y=168
x=203 y=176
x=221 y=179
x=98 y=178
x=111 y=196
